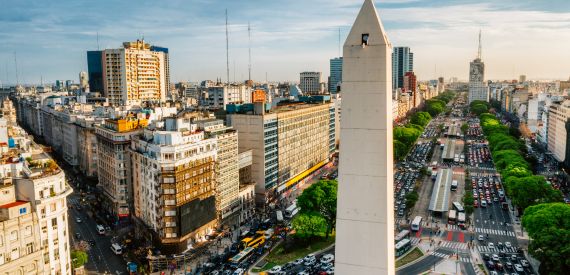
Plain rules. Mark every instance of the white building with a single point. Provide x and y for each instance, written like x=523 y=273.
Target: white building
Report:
x=558 y=115
x=220 y=96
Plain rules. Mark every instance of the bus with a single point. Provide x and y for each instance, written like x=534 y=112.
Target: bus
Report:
x=241 y=257
x=279 y=215
x=291 y=211
x=253 y=242
x=461 y=220
x=416 y=223
x=404 y=234
x=452 y=217
x=454 y=185
x=402 y=247
x=458 y=206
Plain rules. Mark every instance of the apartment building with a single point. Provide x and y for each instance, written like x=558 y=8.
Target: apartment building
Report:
x=174 y=170
x=310 y=83
x=288 y=142
x=134 y=74
x=114 y=162
x=217 y=97
x=558 y=114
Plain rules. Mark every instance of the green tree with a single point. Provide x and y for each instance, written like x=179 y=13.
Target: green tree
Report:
x=549 y=226
x=531 y=190
x=421 y=118
x=79 y=258
x=411 y=199
x=309 y=225
x=321 y=198
x=464 y=128
x=479 y=109
x=400 y=149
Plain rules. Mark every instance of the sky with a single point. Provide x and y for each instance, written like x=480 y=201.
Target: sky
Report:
x=49 y=39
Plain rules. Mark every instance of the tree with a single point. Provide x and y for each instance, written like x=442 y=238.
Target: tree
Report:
x=79 y=258
x=479 y=109
x=309 y=224
x=464 y=128
x=421 y=118
x=411 y=199
x=549 y=226
x=400 y=149
x=531 y=190
x=321 y=198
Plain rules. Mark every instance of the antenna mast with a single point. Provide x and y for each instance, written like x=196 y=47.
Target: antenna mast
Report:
x=16 y=65
x=227 y=50
x=339 y=42
x=479 y=51
x=249 y=36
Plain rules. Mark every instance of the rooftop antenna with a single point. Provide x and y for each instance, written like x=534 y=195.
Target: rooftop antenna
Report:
x=249 y=36
x=16 y=65
x=98 y=41
x=479 y=51
x=227 y=50
x=339 y=42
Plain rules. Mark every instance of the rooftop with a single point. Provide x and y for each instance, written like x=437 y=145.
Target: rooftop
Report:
x=12 y=204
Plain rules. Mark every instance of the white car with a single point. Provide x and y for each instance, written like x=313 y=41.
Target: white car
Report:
x=327 y=258
x=519 y=268
x=309 y=257
x=481 y=238
x=508 y=245
x=491 y=246
x=495 y=257
x=298 y=261
x=276 y=269
x=78 y=220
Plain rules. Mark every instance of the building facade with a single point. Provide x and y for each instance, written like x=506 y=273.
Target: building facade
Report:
x=217 y=97
x=335 y=78
x=402 y=62
x=134 y=74
x=558 y=114
x=310 y=83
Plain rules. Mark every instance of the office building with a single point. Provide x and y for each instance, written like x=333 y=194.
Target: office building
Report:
x=217 y=97
x=134 y=74
x=558 y=115
x=478 y=89
x=310 y=83
x=95 y=71
x=402 y=62
x=288 y=141
x=335 y=78
x=174 y=170
x=365 y=215
x=114 y=169
x=83 y=81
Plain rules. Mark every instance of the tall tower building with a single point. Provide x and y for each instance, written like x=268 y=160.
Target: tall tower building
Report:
x=335 y=75
x=365 y=219
x=95 y=71
x=83 y=82
x=311 y=83
x=478 y=89
x=402 y=62
x=134 y=74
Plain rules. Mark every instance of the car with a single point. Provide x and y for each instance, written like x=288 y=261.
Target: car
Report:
x=298 y=261
x=491 y=246
x=78 y=220
x=502 y=254
x=519 y=268
x=486 y=257
x=481 y=238
x=500 y=245
x=499 y=266
x=525 y=263
x=328 y=258
x=326 y=266
x=490 y=264
x=509 y=265
x=495 y=257
x=276 y=269
x=508 y=245
x=309 y=259
x=514 y=258
x=493 y=272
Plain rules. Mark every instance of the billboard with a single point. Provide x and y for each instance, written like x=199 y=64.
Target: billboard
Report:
x=196 y=214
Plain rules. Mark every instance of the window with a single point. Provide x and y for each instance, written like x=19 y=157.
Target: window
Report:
x=54 y=222
x=52 y=207
x=365 y=38
x=23 y=210
x=28 y=230
x=30 y=248
x=14 y=235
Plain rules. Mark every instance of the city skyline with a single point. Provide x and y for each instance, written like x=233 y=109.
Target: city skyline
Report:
x=51 y=40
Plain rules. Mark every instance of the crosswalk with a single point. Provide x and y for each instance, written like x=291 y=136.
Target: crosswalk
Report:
x=465 y=259
x=495 y=231
x=454 y=245
x=439 y=254
x=415 y=241
x=486 y=249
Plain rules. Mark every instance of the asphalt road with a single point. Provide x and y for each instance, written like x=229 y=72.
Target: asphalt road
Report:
x=101 y=258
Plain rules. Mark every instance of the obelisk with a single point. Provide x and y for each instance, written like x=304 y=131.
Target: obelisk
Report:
x=365 y=217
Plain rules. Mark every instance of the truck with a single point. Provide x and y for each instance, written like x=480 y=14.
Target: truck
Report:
x=452 y=217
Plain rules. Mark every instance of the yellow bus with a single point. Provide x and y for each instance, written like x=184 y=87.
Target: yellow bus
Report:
x=257 y=242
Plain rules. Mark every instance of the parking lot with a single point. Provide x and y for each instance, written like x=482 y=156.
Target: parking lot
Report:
x=404 y=183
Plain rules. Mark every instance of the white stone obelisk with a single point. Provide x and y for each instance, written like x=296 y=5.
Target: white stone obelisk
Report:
x=365 y=217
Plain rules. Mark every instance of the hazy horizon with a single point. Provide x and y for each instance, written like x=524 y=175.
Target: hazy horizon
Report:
x=51 y=39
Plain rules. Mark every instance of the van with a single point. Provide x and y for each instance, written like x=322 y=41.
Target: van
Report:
x=483 y=203
x=117 y=249
x=100 y=230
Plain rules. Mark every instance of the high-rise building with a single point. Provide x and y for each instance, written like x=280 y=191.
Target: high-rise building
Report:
x=134 y=74
x=522 y=78
x=83 y=81
x=478 y=89
x=410 y=82
x=174 y=170
x=311 y=83
x=114 y=169
x=558 y=115
x=95 y=71
x=166 y=63
x=365 y=216
x=402 y=62
x=220 y=96
x=288 y=141
x=335 y=78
